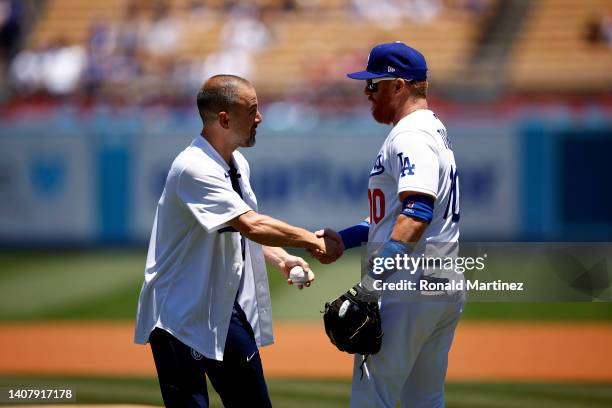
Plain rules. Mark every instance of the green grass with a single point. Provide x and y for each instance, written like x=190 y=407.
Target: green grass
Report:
x=294 y=393
x=44 y=285
x=104 y=284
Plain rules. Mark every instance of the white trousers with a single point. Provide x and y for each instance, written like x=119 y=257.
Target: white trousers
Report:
x=411 y=364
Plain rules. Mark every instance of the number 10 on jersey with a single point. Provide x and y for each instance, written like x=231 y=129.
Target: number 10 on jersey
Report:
x=376 y=197
x=452 y=207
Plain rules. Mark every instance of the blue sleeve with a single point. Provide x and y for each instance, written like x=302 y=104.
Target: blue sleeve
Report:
x=354 y=236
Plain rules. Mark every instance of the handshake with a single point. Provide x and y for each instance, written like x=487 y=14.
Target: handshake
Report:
x=330 y=247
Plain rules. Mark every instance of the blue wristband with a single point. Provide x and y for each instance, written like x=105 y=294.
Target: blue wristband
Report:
x=389 y=251
x=419 y=206
x=394 y=247
x=354 y=236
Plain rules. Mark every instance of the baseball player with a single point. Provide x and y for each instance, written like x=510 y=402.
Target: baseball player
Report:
x=414 y=200
x=205 y=306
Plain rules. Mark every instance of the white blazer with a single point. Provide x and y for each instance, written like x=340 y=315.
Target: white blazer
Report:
x=194 y=268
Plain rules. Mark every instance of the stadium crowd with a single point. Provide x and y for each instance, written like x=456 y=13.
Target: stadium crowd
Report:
x=140 y=59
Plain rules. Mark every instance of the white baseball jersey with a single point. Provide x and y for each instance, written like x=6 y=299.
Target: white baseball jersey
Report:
x=195 y=269
x=411 y=364
x=416 y=156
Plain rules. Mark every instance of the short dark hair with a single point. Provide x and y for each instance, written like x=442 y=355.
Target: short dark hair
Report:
x=219 y=93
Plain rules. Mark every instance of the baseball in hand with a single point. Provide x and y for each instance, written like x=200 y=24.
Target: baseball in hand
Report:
x=299 y=276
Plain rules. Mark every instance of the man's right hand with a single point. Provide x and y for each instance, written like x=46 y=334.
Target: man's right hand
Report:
x=332 y=249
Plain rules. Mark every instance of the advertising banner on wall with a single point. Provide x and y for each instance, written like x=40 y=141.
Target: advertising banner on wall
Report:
x=151 y=157
x=105 y=189
x=490 y=162
x=319 y=178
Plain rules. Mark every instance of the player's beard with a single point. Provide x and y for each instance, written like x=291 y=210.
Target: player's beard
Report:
x=381 y=112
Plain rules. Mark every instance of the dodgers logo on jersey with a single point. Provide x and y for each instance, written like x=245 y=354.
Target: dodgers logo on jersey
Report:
x=406 y=169
x=378 y=166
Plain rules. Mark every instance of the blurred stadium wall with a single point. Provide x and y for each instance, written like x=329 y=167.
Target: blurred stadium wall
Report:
x=74 y=180
x=98 y=98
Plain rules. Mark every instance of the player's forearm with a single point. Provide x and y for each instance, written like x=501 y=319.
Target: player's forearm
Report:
x=274 y=233
x=408 y=230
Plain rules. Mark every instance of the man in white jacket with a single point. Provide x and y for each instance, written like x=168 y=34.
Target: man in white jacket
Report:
x=205 y=303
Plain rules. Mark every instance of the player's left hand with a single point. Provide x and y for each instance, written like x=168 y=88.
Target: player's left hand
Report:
x=288 y=262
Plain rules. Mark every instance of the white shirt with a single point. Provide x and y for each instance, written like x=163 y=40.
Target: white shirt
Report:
x=416 y=156
x=194 y=270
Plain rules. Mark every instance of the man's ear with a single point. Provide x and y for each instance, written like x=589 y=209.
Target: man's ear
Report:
x=223 y=118
x=399 y=85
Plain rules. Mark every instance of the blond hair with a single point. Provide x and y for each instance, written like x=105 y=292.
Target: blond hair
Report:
x=418 y=88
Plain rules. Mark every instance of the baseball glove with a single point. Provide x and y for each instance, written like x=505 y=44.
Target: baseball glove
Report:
x=352 y=322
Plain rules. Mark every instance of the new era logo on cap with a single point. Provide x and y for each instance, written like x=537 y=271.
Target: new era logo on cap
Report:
x=394 y=59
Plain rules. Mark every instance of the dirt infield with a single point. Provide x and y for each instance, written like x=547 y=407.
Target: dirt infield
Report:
x=482 y=351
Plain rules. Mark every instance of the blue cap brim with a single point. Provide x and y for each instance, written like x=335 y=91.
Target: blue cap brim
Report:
x=364 y=75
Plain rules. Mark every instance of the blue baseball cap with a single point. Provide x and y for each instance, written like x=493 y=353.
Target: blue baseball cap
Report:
x=394 y=59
